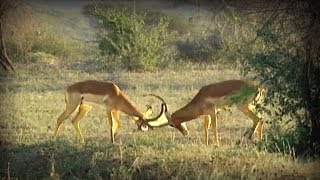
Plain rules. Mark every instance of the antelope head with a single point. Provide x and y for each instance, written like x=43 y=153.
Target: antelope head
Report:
x=164 y=119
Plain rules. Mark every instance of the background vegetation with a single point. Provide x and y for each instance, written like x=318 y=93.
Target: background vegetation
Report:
x=171 y=50
x=133 y=43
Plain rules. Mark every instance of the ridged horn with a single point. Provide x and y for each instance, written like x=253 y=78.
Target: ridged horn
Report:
x=163 y=118
x=156 y=97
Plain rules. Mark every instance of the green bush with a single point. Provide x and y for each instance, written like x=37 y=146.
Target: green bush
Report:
x=133 y=44
x=288 y=137
x=281 y=65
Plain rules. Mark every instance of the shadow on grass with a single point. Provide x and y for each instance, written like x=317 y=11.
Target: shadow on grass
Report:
x=60 y=159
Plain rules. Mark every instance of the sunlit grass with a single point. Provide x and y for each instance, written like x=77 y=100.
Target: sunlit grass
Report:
x=32 y=101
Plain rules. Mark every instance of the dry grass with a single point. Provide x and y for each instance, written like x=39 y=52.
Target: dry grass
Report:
x=33 y=100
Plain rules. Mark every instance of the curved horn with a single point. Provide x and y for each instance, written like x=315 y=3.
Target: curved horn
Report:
x=162 y=119
x=156 y=97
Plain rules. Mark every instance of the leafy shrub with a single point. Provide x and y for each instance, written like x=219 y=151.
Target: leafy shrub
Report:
x=281 y=65
x=288 y=137
x=132 y=43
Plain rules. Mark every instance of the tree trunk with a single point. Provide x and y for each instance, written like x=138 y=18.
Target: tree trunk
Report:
x=4 y=59
x=312 y=102
x=312 y=82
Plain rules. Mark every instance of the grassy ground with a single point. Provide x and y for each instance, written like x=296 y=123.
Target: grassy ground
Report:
x=32 y=101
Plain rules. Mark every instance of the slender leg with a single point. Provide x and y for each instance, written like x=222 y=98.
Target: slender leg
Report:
x=260 y=129
x=207 y=122
x=70 y=107
x=256 y=117
x=116 y=122
x=83 y=110
x=214 y=124
x=110 y=120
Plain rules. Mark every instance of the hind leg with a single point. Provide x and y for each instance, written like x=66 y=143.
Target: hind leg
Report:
x=259 y=129
x=214 y=124
x=116 y=122
x=111 y=123
x=83 y=110
x=70 y=107
x=207 y=122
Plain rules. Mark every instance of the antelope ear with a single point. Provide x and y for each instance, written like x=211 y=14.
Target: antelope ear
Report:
x=148 y=112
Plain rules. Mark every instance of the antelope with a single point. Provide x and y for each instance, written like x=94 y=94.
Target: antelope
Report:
x=85 y=94
x=244 y=94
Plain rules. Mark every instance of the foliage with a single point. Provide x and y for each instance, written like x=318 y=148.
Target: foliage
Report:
x=289 y=137
x=281 y=70
x=279 y=61
x=133 y=43
x=245 y=92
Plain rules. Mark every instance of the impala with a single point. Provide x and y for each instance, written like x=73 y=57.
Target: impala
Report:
x=85 y=94
x=244 y=94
